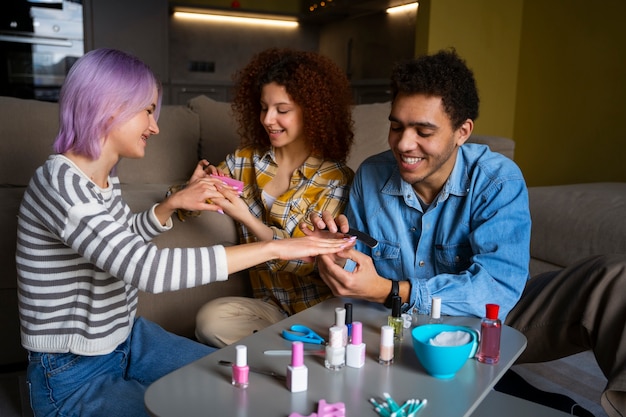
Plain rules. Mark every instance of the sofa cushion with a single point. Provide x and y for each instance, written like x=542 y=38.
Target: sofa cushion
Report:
x=571 y=222
x=371 y=130
x=171 y=156
x=218 y=131
x=505 y=146
x=27 y=133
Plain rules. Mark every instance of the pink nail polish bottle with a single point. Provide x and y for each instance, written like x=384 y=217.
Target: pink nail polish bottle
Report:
x=355 y=352
x=297 y=372
x=240 y=367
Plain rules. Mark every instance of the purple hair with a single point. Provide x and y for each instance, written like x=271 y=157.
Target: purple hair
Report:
x=103 y=89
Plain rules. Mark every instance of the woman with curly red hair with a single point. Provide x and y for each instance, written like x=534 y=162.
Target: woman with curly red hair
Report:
x=294 y=114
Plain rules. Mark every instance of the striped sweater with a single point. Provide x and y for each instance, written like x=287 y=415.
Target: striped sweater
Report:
x=82 y=256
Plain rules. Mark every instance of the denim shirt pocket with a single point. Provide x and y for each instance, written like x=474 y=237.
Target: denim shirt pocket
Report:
x=386 y=256
x=453 y=258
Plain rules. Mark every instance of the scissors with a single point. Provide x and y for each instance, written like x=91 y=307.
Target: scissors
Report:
x=301 y=333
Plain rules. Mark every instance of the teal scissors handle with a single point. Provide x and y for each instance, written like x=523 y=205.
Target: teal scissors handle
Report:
x=301 y=333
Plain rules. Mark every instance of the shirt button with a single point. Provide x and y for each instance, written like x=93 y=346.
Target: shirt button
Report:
x=457 y=258
x=412 y=229
x=422 y=263
x=377 y=253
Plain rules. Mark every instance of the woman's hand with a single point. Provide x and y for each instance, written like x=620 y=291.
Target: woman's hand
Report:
x=325 y=227
x=308 y=247
x=304 y=248
x=203 y=170
x=231 y=202
x=238 y=209
x=195 y=196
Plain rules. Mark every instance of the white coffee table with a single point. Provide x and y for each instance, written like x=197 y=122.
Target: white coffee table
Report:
x=204 y=387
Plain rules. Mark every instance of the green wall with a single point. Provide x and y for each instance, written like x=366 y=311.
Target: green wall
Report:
x=551 y=75
x=571 y=101
x=487 y=34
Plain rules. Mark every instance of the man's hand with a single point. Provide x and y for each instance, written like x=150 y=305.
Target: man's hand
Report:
x=364 y=282
x=325 y=224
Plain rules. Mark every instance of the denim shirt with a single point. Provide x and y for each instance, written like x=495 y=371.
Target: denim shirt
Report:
x=471 y=246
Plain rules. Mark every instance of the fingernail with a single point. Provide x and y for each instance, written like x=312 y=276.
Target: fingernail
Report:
x=220 y=211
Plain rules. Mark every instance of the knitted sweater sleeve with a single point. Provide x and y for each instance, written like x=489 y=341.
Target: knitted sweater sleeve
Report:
x=112 y=247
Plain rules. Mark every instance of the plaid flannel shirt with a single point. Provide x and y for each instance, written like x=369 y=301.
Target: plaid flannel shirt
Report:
x=316 y=186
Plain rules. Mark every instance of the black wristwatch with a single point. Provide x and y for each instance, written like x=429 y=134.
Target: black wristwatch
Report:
x=395 y=290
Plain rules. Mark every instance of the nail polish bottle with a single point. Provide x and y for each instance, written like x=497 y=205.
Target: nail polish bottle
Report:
x=348 y=307
x=335 y=350
x=297 y=372
x=490 y=331
x=395 y=320
x=355 y=351
x=240 y=367
x=340 y=321
x=386 y=345
x=435 y=311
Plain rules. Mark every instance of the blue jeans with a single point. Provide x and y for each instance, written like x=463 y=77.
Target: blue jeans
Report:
x=65 y=384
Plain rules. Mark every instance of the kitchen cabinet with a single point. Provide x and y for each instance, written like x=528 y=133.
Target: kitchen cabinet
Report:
x=139 y=27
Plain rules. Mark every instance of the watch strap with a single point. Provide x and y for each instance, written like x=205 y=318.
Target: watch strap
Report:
x=395 y=290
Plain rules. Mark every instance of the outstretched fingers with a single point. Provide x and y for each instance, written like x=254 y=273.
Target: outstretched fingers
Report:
x=308 y=247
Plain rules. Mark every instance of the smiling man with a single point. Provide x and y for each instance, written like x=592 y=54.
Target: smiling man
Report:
x=452 y=220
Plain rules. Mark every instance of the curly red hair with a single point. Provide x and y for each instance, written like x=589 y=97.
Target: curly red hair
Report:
x=312 y=81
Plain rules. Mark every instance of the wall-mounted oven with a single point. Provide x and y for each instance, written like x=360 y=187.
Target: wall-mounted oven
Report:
x=39 y=41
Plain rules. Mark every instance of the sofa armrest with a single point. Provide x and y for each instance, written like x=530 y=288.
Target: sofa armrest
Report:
x=571 y=222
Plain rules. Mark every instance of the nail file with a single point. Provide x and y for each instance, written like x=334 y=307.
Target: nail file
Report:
x=255 y=370
x=285 y=352
x=363 y=237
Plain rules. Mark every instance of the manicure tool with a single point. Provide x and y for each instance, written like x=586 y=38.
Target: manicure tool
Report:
x=301 y=333
x=256 y=370
x=363 y=237
x=284 y=352
x=325 y=409
x=236 y=184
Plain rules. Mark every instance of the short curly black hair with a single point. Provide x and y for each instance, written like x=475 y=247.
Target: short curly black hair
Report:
x=443 y=74
x=314 y=82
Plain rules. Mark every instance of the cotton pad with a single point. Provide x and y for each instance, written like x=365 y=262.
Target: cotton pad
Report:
x=456 y=338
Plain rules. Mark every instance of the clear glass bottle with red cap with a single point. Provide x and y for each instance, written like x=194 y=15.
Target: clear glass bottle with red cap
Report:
x=490 y=331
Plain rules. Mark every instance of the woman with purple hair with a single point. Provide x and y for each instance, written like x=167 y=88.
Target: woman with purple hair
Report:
x=82 y=255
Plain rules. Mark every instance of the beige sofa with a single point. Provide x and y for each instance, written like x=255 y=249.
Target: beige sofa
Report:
x=569 y=222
